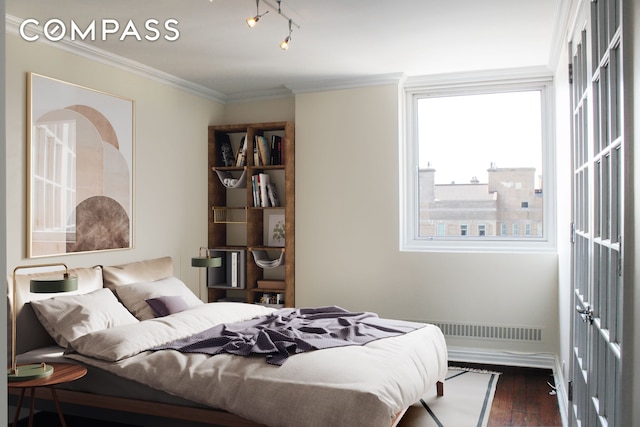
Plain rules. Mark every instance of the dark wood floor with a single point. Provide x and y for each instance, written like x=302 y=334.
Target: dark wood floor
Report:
x=522 y=397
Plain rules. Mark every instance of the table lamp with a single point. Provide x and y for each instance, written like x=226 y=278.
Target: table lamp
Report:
x=206 y=261
x=36 y=285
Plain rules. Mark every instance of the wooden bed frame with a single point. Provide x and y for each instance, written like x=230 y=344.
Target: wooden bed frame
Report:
x=164 y=410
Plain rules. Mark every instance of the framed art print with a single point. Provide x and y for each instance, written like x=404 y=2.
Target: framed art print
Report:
x=80 y=145
x=276 y=233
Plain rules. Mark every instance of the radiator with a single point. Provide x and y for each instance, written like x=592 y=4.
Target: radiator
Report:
x=505 y=333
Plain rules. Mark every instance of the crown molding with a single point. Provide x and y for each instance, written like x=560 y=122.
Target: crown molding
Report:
x=99 y=55
x=350 y=83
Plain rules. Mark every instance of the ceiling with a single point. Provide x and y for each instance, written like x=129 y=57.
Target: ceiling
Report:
x=338 y=41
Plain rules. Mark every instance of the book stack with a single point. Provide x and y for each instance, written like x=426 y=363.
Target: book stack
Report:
x=232 y=273
x=265 y=153
x=264 y=192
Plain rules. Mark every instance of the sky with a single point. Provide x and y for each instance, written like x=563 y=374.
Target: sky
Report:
x=460 y=136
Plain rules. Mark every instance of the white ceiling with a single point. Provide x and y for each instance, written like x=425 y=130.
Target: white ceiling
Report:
x=338 y=40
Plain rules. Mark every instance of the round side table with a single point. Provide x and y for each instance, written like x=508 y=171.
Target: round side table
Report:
x=62 y=373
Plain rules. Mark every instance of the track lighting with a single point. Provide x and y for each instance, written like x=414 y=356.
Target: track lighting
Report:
x=253 y=20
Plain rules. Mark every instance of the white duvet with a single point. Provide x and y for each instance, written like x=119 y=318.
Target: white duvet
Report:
x=364 y=385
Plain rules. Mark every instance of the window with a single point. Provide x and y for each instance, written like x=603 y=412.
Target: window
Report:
x=473 y=157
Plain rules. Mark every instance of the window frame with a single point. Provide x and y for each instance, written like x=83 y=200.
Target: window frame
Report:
x=468 y=84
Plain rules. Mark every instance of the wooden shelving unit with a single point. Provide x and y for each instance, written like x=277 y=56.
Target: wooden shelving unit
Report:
x=247 y=225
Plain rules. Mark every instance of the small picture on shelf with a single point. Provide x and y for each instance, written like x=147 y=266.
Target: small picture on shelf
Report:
x=276 y=230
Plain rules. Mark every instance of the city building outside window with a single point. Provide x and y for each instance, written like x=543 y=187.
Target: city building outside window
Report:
x=478 y=158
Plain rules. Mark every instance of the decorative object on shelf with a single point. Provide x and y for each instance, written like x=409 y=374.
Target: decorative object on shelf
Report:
x=276 y=231
x=87 y=137
x=206 y=261
x=229 y=215
x=253 y=20
x=36 y=285
x=225 y=151
x=262 y=259
x=228 y=180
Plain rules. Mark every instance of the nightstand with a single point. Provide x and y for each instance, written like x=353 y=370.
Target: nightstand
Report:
x=63 y=373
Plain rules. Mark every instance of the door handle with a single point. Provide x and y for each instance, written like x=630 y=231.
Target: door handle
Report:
x=586 y=313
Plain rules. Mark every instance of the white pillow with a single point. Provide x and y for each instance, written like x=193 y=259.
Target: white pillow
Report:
x=69 y=317
x=135 y=295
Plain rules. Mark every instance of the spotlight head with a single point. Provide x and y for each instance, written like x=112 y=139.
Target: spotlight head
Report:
x=284 y=44
x=253 y=20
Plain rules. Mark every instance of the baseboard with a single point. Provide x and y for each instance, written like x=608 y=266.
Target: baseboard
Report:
x=530 y=360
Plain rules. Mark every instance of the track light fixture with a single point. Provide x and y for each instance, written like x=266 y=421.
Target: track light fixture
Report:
x=284 y=44
x=253 y=20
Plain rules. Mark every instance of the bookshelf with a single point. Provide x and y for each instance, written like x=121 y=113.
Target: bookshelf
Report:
x=243 y=217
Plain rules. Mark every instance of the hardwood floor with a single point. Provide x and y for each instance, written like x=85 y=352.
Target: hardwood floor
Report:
x=522 y=397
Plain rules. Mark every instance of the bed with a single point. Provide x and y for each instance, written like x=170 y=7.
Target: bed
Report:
x=121 y=314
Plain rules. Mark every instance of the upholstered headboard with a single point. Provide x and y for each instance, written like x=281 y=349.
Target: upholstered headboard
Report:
x=30 y=332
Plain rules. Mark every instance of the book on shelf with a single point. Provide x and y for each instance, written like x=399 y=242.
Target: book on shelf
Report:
x=271 y=284
x=224 y=150
x=263 y=196
x=264 y=150
x=276 y=155
x=232 y=272
x=256 y=153
x=241 y=156
x=273 y=195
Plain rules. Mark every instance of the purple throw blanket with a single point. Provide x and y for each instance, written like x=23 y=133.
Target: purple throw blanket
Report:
x=291 y=331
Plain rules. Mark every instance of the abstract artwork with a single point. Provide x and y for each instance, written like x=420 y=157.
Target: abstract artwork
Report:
x=80 y=169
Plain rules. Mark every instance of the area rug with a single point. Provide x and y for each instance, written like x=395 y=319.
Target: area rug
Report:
x=467 y=399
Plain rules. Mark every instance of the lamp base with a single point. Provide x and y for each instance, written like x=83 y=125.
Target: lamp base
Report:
x=29 y=372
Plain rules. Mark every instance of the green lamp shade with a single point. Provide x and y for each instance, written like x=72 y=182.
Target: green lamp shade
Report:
x=206 y=262
x=66 y=284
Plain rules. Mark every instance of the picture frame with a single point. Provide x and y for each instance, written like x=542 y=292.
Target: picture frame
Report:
x=276 y=230
x=80 y=168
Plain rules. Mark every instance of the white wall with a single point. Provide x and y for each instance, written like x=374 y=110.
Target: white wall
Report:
x=564 y=177
x=170 y=215
x=260 y=111
x=347 y=224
